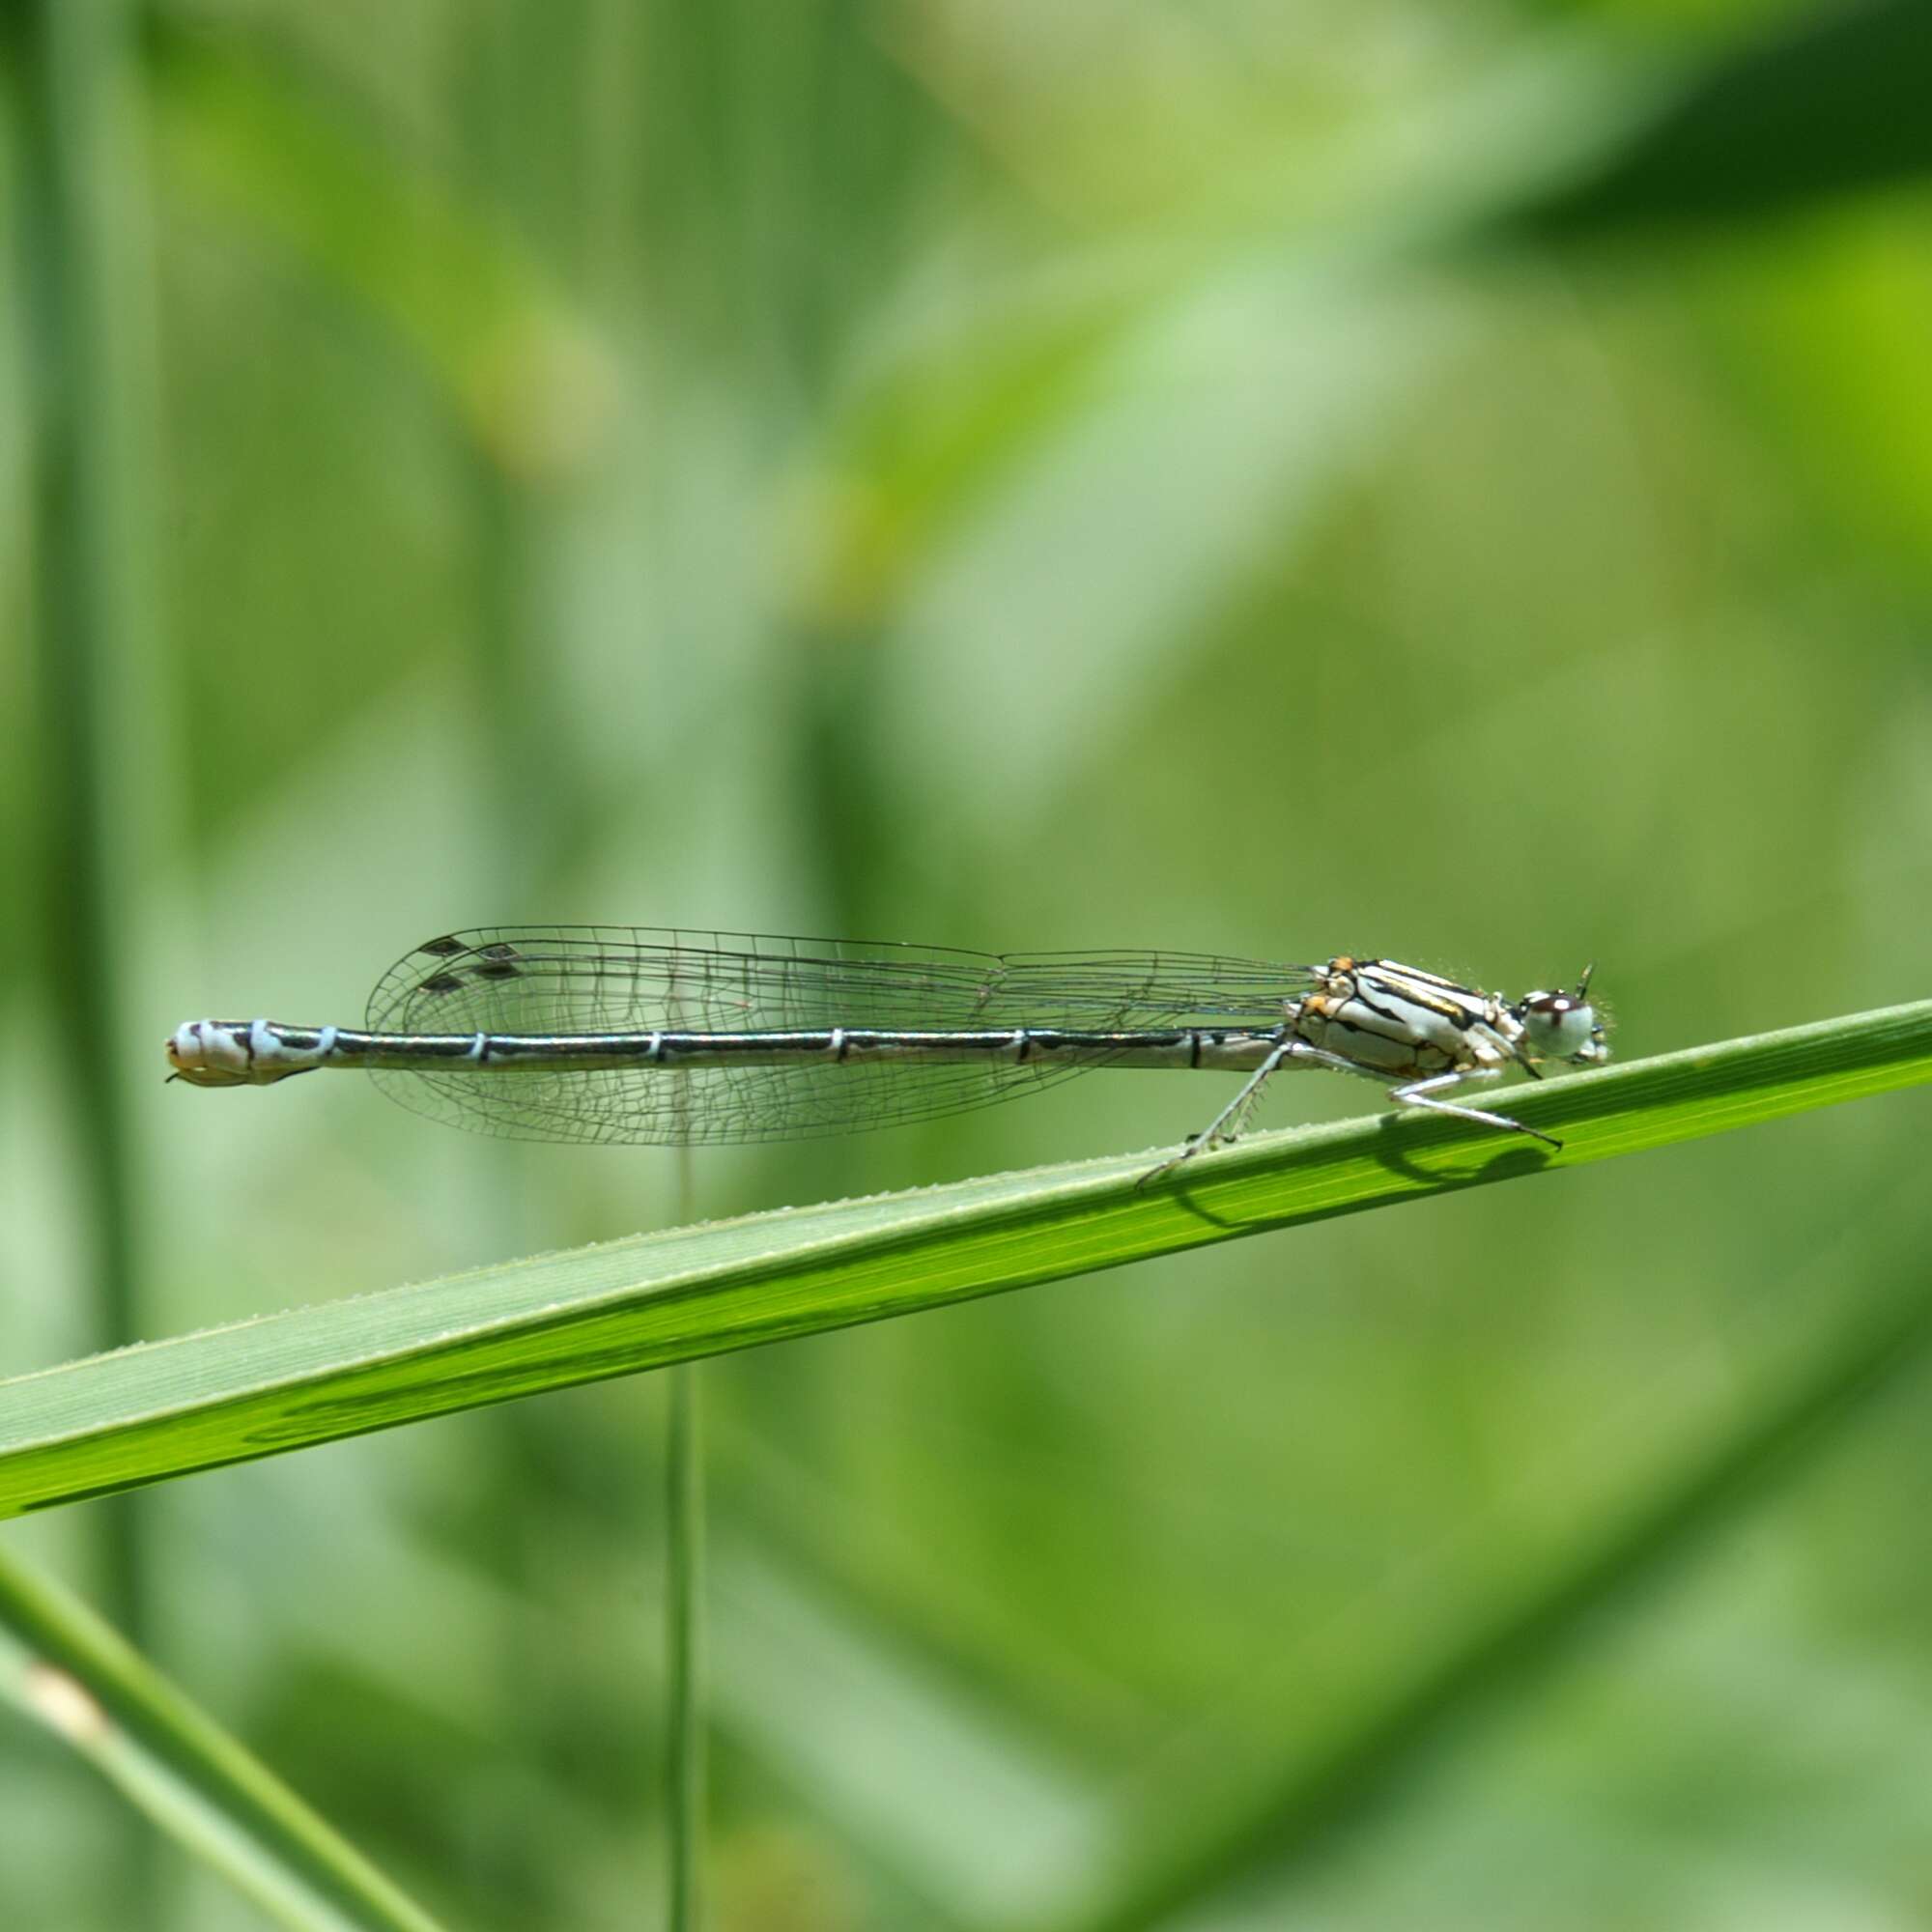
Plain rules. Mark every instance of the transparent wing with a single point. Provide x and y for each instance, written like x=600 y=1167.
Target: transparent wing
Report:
x=552 y=979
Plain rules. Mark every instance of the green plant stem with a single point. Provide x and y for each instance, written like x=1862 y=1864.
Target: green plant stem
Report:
x=684 y=1737
x=685 y=1753
x=90 y=284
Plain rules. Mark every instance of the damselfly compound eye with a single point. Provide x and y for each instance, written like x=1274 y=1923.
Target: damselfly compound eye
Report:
x=1563 y=1026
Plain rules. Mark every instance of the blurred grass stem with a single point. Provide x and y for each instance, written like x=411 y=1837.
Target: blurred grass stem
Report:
x=684 y=1732
x=95 y=506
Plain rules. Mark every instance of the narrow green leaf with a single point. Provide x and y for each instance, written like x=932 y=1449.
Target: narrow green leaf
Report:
x=64 y=1666
x=316 y=1375
x=1834 y=107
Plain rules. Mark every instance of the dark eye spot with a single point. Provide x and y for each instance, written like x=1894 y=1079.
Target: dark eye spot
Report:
x=499 y=969
x=502 y=949
x=441 y=982
x=442 y=947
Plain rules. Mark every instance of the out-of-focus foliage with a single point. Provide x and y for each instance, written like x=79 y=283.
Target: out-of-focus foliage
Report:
x=1384 y=476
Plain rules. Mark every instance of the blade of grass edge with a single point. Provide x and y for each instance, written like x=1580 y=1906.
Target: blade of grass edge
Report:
x=344 y=1368
x=65 y=1666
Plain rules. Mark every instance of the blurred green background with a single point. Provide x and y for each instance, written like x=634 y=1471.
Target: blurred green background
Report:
x=1452 y=480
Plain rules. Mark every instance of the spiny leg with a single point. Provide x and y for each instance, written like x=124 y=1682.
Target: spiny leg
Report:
x=1418 y=1094
x=1229 y=1122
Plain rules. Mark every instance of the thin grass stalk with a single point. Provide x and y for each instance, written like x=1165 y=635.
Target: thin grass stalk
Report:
x=89 y=287
x=509 y=59
x=685 y=1753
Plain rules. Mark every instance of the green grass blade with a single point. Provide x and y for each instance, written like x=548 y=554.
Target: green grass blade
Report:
x=315 y=1375
x=64 y=1666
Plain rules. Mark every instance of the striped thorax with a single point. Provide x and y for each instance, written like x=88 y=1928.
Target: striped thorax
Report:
x=1413 y=1025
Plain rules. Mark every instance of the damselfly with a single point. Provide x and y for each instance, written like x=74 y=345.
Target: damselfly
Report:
x=647 y=1035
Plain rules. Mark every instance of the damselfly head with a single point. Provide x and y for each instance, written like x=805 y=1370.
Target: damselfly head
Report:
x=1565 y=1026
